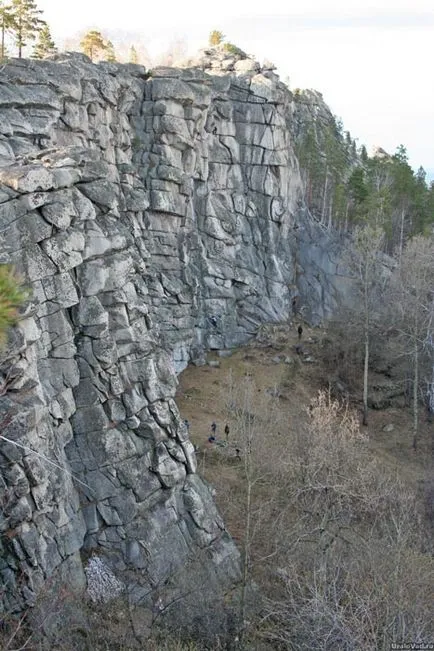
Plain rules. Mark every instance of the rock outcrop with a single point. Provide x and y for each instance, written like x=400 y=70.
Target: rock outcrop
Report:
x=153 y=217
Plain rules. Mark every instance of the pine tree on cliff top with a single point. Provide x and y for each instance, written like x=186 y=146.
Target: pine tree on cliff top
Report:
x=93 y=44
x=45 y=46
x=6 y=25
x=133 y=57
x=26 y=22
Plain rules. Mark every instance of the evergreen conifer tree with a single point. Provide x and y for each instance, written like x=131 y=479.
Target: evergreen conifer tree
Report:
x=6 y=25
x=11 y=297
x=45 y=45
x=133 y=56
x=26 y=22
x=110 y=54
x=93 y=43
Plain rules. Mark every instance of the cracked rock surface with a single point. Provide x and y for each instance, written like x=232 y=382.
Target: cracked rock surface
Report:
x=153 y=218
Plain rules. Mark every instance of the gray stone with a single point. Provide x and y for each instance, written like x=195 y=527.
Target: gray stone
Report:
x=59 y=214
x=143 y=483
x=91 y=312
x=169 y=471
x=65 y=249
x=60 y=289
x=153 y=282
x=89 y=419
x=37 y=264
x=27 y=178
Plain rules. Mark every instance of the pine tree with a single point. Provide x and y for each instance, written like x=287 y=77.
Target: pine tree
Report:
x=363 y=154
x=216 y=37
x=110 y=54
x=11 y=297
x=93 y=44
x=357 y=186
x=45 y=46
x=6 y=25
x=403 y=188
x=26 y=22
x=133 y=57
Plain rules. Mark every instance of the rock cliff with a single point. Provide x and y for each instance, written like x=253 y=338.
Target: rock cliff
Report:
x=153 y=217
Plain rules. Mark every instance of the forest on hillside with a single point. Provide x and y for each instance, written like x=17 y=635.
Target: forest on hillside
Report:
x=345 y=187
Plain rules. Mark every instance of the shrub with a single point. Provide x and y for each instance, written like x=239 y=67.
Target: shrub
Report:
x=216 y=37
x=230 y=48
x=11 y=297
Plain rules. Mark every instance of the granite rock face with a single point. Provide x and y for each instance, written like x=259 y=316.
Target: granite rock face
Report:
x=153 y=218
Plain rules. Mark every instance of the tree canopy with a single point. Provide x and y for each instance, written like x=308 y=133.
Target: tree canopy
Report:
x=344 y=187
x=96 y=47
x=216 y=37
x=26 y=22
x=45 y=46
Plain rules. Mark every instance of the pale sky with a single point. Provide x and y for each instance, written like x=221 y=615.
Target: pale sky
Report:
x=373 y=61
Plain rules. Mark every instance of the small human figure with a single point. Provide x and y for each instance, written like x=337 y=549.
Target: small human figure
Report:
x=187 y=425
x=227 y=431
x=214 y=131
x=237 y=454
x=213 y=427
x=300 y=331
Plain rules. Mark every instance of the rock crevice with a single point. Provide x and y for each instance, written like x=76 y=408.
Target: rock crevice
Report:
x=153 y=218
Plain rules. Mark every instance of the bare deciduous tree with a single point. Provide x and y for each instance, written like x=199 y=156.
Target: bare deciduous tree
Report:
x=352 y=576
x=414 y=310
x=365 y=264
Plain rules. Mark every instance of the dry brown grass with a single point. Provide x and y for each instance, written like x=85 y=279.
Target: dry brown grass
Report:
x=386 y=466
x=201 y=400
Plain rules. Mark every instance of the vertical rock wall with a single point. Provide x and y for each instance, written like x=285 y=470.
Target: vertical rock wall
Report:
x=152 y=218
x=223 y=190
